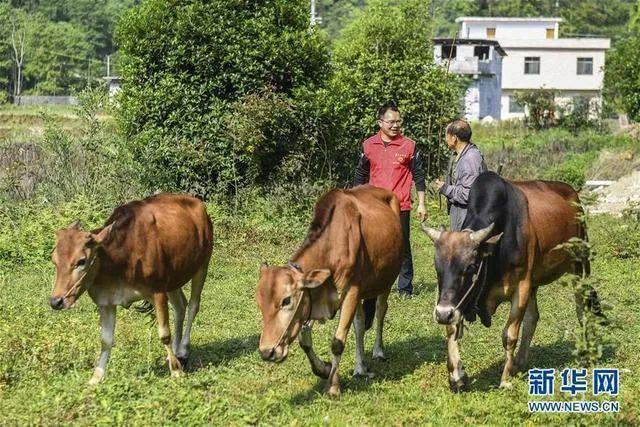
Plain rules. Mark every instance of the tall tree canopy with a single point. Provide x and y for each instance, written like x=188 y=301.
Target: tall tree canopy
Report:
x=215 y=91
x=622 y=71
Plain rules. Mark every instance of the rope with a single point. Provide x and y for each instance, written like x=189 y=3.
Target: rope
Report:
x=78 y=282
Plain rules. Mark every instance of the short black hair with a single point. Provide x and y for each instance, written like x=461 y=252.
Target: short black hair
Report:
x=389 y=105
x=461 y=129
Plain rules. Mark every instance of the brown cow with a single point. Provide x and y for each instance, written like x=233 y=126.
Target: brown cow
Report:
x=353 y=250
x=147 y=249
x=506 y=250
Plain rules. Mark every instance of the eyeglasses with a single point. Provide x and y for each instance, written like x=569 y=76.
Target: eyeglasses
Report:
x=392 y=122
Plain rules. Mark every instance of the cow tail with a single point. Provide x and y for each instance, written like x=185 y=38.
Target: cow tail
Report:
x=369 y=307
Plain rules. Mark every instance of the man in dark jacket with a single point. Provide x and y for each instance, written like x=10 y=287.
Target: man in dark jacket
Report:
x=392 y=161
x=465 y=165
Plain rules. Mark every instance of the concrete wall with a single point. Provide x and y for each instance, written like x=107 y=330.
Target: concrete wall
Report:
x=491 y=89
x=558 y=69
x=507 y=30
x=45 y=100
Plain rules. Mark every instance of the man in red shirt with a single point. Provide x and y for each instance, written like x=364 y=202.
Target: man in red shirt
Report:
x=392 y=161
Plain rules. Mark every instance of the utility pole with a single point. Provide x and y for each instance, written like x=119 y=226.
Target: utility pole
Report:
x=313 y=13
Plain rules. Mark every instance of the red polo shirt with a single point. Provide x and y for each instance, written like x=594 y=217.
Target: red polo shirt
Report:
x=391 y=166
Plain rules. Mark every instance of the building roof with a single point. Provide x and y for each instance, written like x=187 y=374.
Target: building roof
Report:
x=480 y=42
x=505 y=19
x=576 y=44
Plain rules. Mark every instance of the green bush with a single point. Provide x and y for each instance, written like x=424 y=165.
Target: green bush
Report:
x=541 y=107
x=216 y=91
x=571 y=170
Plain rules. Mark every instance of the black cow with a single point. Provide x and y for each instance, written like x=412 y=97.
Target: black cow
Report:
x=504 y=252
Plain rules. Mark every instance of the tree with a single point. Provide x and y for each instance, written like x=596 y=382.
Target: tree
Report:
x=215 y=92
x=385 y=53
x=19 y=22
x=59 y=58
x=622 y=72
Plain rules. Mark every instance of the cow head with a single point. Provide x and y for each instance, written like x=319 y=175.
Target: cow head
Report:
x=284 y=297
x=75 y=257
x=457 y=259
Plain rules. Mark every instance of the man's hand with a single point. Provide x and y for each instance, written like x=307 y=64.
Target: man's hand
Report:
x=422 y=212
x=437 y=184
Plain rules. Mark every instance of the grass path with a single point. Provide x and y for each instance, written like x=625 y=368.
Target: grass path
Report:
x=46 y=358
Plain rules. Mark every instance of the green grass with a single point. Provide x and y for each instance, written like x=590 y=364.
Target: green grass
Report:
x=46 y=357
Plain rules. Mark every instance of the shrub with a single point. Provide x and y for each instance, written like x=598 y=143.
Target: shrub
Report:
x=215 y=91
x=540 y=105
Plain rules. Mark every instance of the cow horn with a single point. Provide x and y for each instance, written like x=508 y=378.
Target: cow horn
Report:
x=482 y=234
x=431 y=232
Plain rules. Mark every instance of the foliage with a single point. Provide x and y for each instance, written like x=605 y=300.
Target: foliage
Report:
x=384 y=54
x=589 y=336
x=208 y=106
x=580 y=17
x=66 y=43
x=581 y=114
x=48 y=73
x=524 y=154
x=571 y=170
x=540 y=107
x=622 y=72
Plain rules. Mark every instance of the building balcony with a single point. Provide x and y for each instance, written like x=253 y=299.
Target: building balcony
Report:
x=468 y=66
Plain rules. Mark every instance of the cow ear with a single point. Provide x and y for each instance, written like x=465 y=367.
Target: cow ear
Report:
x=315 y=278
x=75 y=225
x=99 y=238
x=488 y=246
x=263 y=267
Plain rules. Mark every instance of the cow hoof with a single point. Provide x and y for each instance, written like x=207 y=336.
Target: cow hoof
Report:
x=178 y=373
x=333 y=391
x=184 y=361
x=379 y=355
x=459 y=385
x=363 y=373
x=505 y=384
x=98 y=376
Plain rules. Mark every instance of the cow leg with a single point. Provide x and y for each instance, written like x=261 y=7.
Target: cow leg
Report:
x=347 y=312
x=531 y=316
x=162 y=316
x=179 y=303
x=197 y=283
x=457 y=376
x=511 y=331
x=381 y=312
x=107 y=329
x=360 y=369
x=319 y=367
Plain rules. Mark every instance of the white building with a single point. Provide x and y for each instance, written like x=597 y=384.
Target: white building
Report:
x=481 y=61
x=537 y=57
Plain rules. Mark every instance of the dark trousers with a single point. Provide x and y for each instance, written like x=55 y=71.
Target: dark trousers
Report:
x=405 y=278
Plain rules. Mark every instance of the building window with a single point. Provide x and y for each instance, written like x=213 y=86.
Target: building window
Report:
x=532 y=65
x=514 y=107
x=551 y=32
x=481 y=52
x=448 y=51
x=491 y=33
x=585 y=66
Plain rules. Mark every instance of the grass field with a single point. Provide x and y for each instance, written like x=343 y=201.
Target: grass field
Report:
x=46 y=357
